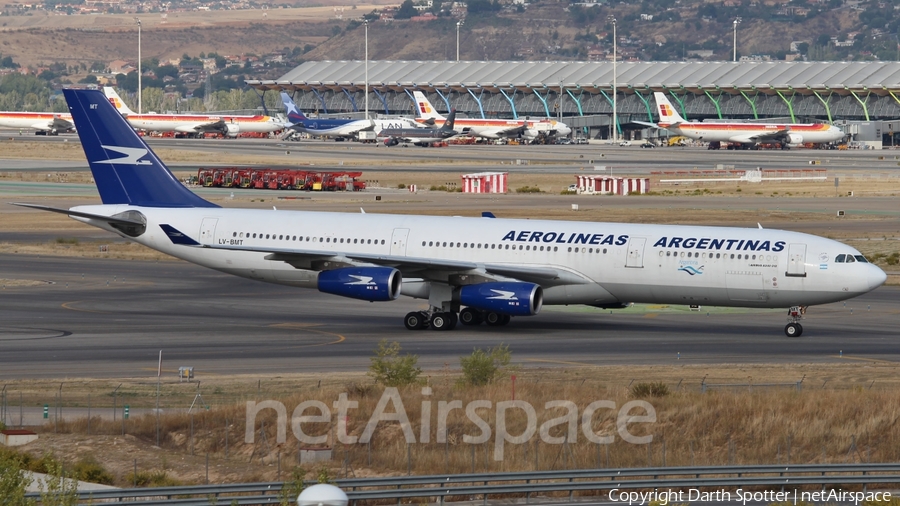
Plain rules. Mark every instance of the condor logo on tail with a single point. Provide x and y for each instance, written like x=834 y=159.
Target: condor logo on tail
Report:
x=132 y=156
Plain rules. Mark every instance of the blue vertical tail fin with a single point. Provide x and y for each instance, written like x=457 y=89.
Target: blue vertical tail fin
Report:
x=294 y=115
x=125 y=169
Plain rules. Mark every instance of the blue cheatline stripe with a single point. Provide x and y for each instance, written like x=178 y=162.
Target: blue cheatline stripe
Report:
x=125 y=169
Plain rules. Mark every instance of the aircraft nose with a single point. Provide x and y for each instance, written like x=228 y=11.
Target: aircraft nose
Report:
x=877 y=277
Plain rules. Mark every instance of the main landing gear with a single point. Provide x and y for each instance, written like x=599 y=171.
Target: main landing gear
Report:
x=447 y=320
x=795 y=314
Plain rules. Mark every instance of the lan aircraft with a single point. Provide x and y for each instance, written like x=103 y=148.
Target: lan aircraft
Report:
x=338 y=127
x=492 y=128
x=744 y=134
x=469 y=269
x=197 y=124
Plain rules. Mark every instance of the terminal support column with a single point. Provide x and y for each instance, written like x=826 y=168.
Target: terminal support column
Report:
x=751 y=102
x=715 y=102
x=352 y=101
x=825 y=103
x=862 y=102
x=512 y=102
x=789 y=104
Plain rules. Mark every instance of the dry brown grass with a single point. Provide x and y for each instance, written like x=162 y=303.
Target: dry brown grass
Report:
x=851 y=418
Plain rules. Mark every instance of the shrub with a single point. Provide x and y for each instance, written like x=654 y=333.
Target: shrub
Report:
x=528 y=189
x=401 y=186
x=12 y=482
x=392 y=370
x=483 y=367
x=655 y=389
x=292 y=487
x=91 y=471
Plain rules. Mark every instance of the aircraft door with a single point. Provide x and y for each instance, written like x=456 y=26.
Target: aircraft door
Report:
x=208 y=230
x=796 y=261
x=636 y=252
x=398 y=241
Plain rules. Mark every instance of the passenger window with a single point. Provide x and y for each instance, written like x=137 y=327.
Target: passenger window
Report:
x=445 y=245
x=604 y=251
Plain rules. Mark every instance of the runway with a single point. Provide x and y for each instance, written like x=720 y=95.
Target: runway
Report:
x=110 y=318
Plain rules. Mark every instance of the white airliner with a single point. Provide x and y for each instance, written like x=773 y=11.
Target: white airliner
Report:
x=492 y=128
x=230 y=126
x=481 y=269
x=338 y=127
x=47 y=123
x=743 y=134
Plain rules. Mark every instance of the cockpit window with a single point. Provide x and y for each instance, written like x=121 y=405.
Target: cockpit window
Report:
x=860 y=258
x=850 y=259
x=840 y=259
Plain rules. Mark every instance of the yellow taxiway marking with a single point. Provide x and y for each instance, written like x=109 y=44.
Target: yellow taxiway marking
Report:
x=307 y=327
x=651 y=315
x=863 y=359
x=68 y=305
x=566 y=362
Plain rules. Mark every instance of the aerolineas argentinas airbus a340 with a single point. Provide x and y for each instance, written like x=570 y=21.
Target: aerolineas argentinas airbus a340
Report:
x=470 y=269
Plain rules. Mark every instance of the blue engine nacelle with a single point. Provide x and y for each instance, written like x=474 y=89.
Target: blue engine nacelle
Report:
x=364 y=283
x=514 y=299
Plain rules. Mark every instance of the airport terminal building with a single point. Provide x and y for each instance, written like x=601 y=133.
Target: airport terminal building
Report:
x=861 y=97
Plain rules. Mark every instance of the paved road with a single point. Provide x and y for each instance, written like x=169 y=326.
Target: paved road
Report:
x=108 y=318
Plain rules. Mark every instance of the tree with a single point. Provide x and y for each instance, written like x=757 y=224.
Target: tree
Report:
x=392 y=370
x=406 y=10
x=483 y=367
x=57 y=490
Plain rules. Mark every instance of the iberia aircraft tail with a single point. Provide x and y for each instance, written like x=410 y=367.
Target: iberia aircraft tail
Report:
x=117 y=101
x=424 y=108
x=668 y=116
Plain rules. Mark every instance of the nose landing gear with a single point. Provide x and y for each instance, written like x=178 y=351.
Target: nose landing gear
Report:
x=795 y=314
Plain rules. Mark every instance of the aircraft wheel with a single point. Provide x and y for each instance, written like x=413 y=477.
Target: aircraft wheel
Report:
x=793 y=330
x=493 y=319
x=453 y=320
x=441 y=321
x=470 y=316
x=415 y=321
x=505 y=320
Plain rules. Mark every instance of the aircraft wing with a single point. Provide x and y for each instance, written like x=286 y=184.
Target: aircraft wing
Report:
x=774 y=135
x=427 y=268
x=61 y=125
x=211 y=126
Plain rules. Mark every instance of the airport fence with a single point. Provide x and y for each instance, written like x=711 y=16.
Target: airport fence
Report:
x=701 y=423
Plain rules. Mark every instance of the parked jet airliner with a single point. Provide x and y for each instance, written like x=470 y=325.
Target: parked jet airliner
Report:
x=338 y=127
x=492 y=128
x=47 y=123
x=483 y=269
x=744 y=134
x=197 y=124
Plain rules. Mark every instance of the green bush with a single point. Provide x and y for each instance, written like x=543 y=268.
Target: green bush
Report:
x=292 y=487
x=91 y=471
x=12 y=482
x=392 y=370
x=528 y=189
x=401 y=186
x=654 y=389
x=483 y=367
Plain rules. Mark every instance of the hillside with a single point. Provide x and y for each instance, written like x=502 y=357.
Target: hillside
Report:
x=543 y=31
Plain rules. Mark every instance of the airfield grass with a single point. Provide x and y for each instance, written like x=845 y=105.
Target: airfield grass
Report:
x=843 y=412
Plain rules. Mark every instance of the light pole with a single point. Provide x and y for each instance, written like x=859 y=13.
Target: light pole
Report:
x=736 y=22
x=458 y=24
x=366 y=22
x=138 y=20
x=615 y=118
